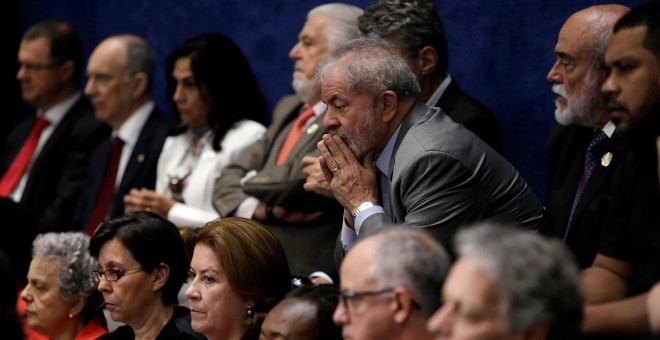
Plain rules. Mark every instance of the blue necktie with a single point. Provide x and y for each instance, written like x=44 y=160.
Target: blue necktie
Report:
x=590 y=159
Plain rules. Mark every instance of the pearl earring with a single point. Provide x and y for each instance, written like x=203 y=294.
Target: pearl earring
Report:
x=249 y=311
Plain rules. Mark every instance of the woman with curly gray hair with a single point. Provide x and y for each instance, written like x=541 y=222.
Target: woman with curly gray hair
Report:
x=61 y=299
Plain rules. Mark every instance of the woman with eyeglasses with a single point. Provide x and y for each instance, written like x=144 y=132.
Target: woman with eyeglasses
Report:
x=221 y=110
x=60 y=300
x=237 y=274
x=141 y=266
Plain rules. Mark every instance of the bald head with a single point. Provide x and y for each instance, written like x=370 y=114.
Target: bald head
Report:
x=119 y=72
x=578 y=73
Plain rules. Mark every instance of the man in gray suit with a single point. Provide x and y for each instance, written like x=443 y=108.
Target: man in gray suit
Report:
x=266 y=182
x=433 y=172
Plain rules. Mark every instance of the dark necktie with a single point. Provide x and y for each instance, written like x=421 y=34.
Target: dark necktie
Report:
x=20 y=163
x=590 y=160
x=107 y=188
x=295 y=133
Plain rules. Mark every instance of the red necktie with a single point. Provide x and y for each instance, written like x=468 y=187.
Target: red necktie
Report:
x=294 y=134
x=107 y=189
x=20 y=163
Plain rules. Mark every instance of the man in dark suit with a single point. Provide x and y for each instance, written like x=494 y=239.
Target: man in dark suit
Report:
x=120 y=71
x=416 y=29
x=577 y=76
x=40 y=185
x=433 y=172
x=266 y=183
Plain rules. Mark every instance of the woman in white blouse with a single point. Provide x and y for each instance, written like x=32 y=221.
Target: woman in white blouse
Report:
x=221 y=111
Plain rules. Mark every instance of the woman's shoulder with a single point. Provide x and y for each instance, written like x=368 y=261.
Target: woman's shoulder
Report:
x=244 y=131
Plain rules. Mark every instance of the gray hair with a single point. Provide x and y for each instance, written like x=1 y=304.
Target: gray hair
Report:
x=414 y=23
x=342 y=25
x=536 y=277
x=139 y=57
x=407 y=256
x=76 y=264
x=371 y=66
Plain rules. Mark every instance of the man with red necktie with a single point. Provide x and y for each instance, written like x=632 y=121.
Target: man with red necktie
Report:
x=266 y=183
x=44 y=160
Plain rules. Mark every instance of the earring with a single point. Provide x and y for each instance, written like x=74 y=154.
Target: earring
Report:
x=249 y=311
x=70 y=316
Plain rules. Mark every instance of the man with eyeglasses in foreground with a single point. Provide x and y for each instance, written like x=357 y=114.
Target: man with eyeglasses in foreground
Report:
x=44 y=158
x=390 y=284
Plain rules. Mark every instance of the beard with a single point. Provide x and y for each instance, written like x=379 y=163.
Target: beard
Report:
x=363 y=140
x=306 y=88
x=584 y=109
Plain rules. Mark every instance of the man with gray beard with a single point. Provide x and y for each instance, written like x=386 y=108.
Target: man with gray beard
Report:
x=389 y=158
x=612 y=229
x=266 y=182
x=577 y=204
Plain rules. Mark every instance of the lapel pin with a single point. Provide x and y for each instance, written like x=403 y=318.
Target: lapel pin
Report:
x=312 y=128
x=606 y=160
x=209 y=155
x=140 y=158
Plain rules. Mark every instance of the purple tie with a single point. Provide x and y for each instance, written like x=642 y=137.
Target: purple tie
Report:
x=590 y=159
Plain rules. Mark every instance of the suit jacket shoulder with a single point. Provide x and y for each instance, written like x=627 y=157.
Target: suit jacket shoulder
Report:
x=475 y=116
x=444 y=177
x=58 y=172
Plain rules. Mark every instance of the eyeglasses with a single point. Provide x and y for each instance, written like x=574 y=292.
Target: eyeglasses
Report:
x=346 y=296
x=114 y=274
x=34 y=68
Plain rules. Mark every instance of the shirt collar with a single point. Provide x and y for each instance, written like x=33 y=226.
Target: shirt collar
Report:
x=55 y=114
x=609 y=128
x=130 y=130
x=439 y=91
x=383 y=161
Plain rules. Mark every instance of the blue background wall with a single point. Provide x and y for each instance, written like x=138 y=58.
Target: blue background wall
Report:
x=500 y=51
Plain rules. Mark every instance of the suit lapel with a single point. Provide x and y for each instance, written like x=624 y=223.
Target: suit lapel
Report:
x=414 y=116
x=311 y=134
x=596 y=183
x=283 y=120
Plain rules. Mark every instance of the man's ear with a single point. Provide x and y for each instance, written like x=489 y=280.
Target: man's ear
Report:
x=139 y=84
x=390 y=105
x=66 y=69
x=428 y=60
x=404 y=305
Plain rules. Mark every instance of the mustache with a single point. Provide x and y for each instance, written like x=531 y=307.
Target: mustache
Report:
x=612 y=104
x=559 y=89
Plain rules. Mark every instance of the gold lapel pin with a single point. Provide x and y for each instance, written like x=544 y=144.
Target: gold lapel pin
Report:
x=209 y=155
x=140 y=158
x=606 y=159
x=312 y=128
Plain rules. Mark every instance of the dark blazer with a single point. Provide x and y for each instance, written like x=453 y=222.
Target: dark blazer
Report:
x=177 y=328
x=566 y=149
x=474 y=115
x=140 y=171
x=308 y=246
x=442 y=178
x=617 y=213
x=55 y=181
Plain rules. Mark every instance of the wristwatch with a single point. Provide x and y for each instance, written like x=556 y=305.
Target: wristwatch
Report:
x=364 y=206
